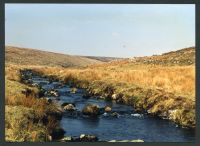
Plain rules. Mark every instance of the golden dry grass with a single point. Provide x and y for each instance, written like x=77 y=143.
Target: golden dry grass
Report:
x=157 y=89
x=177 y=79
x=17 y=104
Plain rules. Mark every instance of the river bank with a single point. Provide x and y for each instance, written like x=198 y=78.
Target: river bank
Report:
x=76 y=96
x=48 y=90
x=154 y=101
x=28 y=117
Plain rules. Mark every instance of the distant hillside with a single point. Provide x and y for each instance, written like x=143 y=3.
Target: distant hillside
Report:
x=26 y=56
x=103 y=59
x=184 y=56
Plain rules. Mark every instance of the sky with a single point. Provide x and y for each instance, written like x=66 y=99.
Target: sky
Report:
x=114 y=30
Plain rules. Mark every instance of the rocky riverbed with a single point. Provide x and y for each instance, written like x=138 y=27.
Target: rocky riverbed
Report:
x=86 y=118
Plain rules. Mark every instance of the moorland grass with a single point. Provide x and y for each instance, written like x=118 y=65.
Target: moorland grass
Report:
x=27 y=118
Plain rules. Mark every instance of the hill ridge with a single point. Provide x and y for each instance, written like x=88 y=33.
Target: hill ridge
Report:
x=29 y=56
x=185 y=56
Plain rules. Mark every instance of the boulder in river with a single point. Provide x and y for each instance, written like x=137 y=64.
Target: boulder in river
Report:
x=115 y=114
x=73 y=90
x=114 y=97
x=35 y=85
x=67 y=139
x=91 y=109
x=108 y=109
x=137 y=115
x=88 y=138
x=66 y=103
x=117 y=97
x=52 y=93
x=69 y=107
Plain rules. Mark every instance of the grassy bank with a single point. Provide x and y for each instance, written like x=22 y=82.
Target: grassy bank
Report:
x=165 y=91
x=27 y=117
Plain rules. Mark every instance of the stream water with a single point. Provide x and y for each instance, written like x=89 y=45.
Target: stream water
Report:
x=127 y=126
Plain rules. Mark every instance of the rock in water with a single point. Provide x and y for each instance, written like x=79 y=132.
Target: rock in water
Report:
x=66 y=103
x=108 y=109
x=54 y=93
x=137 y=115
x=115 y=114
x=114 y=97
x=69 y=107
x=88 y=138
x=91 y=110
x=67 y=139
x=73 y=90
x=51 y=93
x=35 y=84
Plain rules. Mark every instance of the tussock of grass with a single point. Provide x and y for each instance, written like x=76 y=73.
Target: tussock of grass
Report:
x=20 y=125
x=28 y=118
x=14 y=95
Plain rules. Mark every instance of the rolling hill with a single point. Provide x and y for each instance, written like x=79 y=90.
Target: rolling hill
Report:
x=24 y=56
x=184 y=56
x=104 y=59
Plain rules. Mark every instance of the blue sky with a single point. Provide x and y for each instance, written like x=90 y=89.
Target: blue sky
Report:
x=118 y=30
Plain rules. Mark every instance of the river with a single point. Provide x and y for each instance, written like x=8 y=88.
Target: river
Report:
x=127 y=126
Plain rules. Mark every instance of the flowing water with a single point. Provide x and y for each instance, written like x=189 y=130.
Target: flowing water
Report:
x=127 y=126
